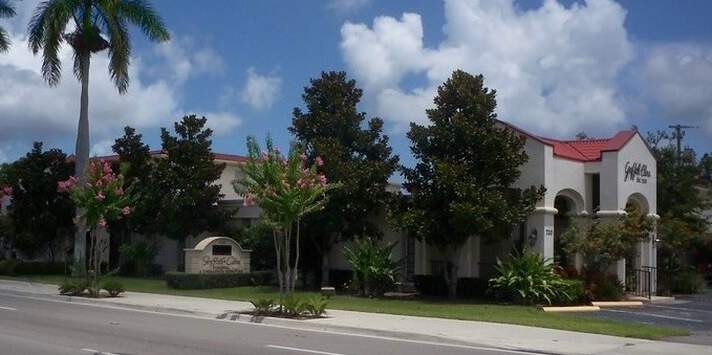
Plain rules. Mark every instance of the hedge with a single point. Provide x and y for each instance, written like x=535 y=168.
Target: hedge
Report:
x=41 y=268
x=183 y=281
x=14 y=267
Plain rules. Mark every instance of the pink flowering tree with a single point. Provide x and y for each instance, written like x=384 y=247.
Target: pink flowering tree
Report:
x=102 y=200
x=286 y=189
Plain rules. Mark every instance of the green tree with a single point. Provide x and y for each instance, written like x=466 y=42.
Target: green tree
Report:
x=462 y=183
x=96 y=25
x=42 y=218
x=6 y=10
x=140 y=172
x=602 y=243
x=286 y=189
x=185 y=180
x=102 y=200
x=332 y=130
x=682 y=226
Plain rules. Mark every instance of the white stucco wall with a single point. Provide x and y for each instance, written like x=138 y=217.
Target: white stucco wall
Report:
x=231 y=172
x=635 y=151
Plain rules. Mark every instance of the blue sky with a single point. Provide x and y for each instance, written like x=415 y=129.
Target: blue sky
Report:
x=559 y=68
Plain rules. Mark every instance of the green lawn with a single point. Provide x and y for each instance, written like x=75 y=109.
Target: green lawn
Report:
x=478 y=311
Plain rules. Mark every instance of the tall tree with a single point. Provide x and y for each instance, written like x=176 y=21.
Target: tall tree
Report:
x=42 y=217
x=96 y=25
x=462 y=183
x=682 y=224
x=136 y=156
x=139 y=172
x=349 y=149
x=6 y=10
x=186 y=180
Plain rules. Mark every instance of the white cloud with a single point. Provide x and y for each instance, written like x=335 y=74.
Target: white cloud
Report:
x=346 y=6
x=102 y=148
x=33 y=111
x=678 y=78
x=185 y=59
x=222 y=123
x=260 y=91
x=554 y=67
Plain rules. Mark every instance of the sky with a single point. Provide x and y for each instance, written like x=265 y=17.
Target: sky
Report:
x=559 y=68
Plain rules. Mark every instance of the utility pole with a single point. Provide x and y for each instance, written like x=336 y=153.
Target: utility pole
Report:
x=679 y=133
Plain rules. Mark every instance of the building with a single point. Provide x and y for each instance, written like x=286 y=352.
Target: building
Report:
x=584 y=179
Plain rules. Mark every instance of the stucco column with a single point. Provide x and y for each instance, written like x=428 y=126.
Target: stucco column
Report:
x=541 y=225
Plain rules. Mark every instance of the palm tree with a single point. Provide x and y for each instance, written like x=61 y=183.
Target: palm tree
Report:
x=89 y=26
x=5 y=11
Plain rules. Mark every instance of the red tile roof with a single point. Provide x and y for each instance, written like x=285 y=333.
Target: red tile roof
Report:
x=582 y=149
x=157 y=153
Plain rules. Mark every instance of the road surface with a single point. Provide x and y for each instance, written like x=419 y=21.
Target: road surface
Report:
x=30 y=325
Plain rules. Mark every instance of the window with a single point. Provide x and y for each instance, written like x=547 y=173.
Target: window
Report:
x=596 y=192
x=222 y=249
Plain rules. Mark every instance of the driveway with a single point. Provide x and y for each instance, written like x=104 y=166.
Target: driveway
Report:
x=692 y=312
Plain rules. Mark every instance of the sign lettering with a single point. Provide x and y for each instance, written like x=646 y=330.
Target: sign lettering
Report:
x=636 y=172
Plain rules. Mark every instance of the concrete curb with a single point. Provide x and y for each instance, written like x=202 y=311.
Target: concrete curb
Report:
x=605 y=304
x=593 y=308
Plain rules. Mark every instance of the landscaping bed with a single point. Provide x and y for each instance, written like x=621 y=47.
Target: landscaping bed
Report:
x=462 y=310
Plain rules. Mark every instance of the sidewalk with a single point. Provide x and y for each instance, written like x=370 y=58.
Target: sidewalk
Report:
x=468 y=332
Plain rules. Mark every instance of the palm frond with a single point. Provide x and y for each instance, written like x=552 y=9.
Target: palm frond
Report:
x=6 y=10
x=119 y=45
x=4 y=40
x=46 y=30
x=142 y=14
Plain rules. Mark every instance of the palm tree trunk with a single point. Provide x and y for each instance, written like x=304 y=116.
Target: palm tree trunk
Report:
x=81 y=159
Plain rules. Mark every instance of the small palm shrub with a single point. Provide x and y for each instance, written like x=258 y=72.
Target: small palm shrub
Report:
x=528 y=278
x=315 y=306
x=72 y=287
x=113 y=287
x=292 y=306
x=263 y=306
x=375 y=272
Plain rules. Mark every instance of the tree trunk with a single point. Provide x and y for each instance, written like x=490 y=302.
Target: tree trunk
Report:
x=451 y=270
x=81 y=158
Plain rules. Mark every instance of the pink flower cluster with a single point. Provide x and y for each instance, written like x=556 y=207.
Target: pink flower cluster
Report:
x=65 y=185
x=249 y=200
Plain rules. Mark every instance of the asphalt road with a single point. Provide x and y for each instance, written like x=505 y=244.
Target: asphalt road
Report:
x=31 y=326
x=692 y=312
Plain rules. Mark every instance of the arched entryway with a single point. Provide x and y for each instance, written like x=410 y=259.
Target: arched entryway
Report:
x=569 y=205
x=637 y=204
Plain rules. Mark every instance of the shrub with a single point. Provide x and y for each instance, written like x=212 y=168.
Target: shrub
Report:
x=72 y=287
x=8 y=267
x=527 y=278
x=688 y=282
x=316 y=306
x=139 y=256
x=181 y=280
x=113 y=287
x=40 y=268
x=292 y=305
x=375 y=272
x=573 y=292
x=430 y=285
x=471 y=287
x=340 y=279
x=263 y=305
x=607 y=288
